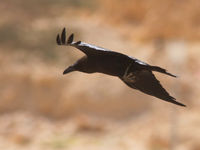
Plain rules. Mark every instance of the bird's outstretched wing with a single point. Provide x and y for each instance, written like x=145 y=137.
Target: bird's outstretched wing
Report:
x=92 y=50
x=86 y=48
x=146 y=82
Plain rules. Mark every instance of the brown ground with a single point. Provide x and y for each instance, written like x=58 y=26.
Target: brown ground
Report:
x=42 y=109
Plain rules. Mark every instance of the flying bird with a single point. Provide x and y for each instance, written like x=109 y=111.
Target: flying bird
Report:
x=133 y=72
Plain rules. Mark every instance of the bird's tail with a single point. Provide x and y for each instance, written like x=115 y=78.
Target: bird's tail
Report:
x=159 y=69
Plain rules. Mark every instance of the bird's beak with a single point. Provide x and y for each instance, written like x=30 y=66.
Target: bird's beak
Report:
x=68 y=70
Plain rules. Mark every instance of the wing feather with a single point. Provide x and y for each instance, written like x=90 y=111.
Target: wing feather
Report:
x=146 y=82
x=86 y=48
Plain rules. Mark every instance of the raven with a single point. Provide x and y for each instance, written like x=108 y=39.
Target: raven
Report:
x=133 y=72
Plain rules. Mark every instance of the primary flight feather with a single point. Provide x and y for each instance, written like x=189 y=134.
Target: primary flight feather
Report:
x=133 y=72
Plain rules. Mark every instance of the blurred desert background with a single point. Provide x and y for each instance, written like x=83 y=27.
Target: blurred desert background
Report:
x=42 y=109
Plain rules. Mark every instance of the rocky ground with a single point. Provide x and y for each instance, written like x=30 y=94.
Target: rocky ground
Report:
x=42 y=109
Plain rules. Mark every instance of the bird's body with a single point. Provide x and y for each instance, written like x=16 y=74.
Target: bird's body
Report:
x=133 y=72
x=102 y=64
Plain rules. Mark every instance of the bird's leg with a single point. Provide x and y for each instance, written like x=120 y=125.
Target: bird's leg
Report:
x=130 y=77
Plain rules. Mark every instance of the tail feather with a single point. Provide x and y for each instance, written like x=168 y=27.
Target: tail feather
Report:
x=158 y=69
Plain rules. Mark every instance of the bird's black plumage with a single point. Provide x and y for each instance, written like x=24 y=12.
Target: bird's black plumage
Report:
x=133 y=72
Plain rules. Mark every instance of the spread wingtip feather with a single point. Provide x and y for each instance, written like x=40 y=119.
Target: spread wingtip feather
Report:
x=58 y=39
x=63 y=36
x=70 y=39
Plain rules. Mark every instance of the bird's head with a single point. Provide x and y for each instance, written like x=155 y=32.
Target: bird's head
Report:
x=81 y=65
